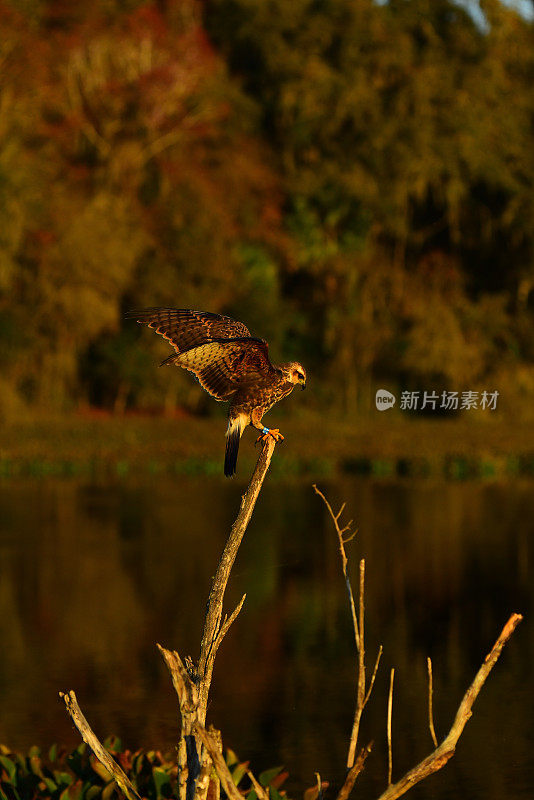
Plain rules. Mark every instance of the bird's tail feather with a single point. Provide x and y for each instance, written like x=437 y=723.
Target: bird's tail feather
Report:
x=234 y=431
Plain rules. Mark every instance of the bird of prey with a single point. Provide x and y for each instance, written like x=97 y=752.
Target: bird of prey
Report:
x=230 y=364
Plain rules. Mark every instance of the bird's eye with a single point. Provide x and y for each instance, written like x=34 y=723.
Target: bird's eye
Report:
x=300 y=376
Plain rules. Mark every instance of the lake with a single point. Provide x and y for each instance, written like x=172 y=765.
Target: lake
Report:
x=93 y=574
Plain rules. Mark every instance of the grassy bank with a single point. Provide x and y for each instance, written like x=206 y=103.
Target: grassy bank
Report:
x=384 y=445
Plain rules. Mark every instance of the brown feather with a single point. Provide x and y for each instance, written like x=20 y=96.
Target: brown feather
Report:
x=184 y=328
x=218 y=350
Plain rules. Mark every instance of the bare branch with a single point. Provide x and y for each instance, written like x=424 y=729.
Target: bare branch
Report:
x=439 y=757
x=192 y=684
x=390 y=711
x=258 y=788
x=189 y=764
x=319 y=786
x=373 y=676
x=212 y=637
x=358 y=624
x=226 y=624
x=181 y=679
x=361 y=627
x=361 y=697
x=353 y=773
x=430 y=709
x=90 y=738
x=219 y=763
x=196 y=748
x=183 y=771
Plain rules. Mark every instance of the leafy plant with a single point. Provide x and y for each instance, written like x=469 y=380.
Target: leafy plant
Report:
x=78 y=775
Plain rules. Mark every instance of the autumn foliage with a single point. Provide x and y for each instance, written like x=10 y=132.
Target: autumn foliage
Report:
x=354 y=180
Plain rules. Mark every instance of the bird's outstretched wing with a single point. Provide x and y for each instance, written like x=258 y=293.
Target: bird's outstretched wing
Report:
x=185 y=328
x=218 y=350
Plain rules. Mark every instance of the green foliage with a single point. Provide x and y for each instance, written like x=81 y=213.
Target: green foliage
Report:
x=271 y=779
x=401 y=155
x=327 y=171
x=78 y=775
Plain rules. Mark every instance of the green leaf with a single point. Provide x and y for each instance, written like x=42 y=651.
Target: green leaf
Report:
x=68 y=794
x=138 y=763
x=101 y=770
x=52 y=753
x=239 y=771
x=113 y=744
x=35 y=764
x=21 y=761
x=274 y=794
x=161 y=779
x=280 y=779
x=50 y=784
x=9 y=767
x=231 y=757
x=108 y=790
x=91 y=792
x=63 y=778
x=269 y=775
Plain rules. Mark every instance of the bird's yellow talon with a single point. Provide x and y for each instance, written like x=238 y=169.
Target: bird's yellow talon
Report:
x=274 y=432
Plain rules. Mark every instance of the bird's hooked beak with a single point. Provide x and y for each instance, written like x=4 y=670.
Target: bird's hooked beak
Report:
x=303 y=385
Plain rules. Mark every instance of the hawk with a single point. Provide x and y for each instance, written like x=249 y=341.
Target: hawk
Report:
x=230 y=364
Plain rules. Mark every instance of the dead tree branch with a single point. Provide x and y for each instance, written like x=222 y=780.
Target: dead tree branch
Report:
x=439 y=757
x=442 y=753
x=184 y=682
x=213 y=629
x=192 y=684
x=353 y=773
x=390 y=714
x=210 y=743
x=90 y=738
x=258 y=788
x=196 y=748
x=430 y=705
x=344 y=535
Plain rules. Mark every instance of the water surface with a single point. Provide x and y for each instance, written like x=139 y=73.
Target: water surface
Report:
x=93 y=574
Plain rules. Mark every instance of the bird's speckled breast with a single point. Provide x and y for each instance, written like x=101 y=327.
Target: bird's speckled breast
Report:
x=263 y=397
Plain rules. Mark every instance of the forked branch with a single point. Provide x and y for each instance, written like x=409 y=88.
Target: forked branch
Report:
x=214 y=629
x=192 y=683
x=443 y=752
x=197 y=749
x=439 y=757
x=344 y=535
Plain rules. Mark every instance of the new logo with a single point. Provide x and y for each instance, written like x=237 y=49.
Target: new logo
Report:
x=384 y=399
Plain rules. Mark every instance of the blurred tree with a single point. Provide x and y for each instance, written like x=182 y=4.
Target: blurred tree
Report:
x=397 y=141
x=152 y=176
x=332 y=172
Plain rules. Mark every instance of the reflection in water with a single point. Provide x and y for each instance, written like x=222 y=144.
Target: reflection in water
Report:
x=91 y=576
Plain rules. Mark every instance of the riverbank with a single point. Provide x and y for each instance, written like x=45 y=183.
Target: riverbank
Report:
x=90 y=444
